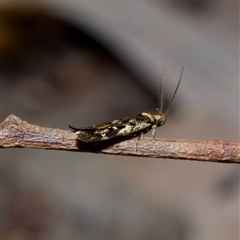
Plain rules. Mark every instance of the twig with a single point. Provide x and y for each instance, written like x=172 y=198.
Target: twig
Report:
x=15 y=132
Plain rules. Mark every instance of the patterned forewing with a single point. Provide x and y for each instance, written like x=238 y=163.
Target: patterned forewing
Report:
x=125 y=127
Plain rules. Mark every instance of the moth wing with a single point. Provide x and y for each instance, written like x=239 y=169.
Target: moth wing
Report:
x=91 y=128
x=100 y=132
x=125 y=127
x=102 y=126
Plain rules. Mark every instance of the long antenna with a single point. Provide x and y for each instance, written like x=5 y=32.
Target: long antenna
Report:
x=170 y=104
x=161 y=92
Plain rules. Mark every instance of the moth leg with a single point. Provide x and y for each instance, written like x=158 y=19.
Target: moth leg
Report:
x=137 y=140
x=154 y=127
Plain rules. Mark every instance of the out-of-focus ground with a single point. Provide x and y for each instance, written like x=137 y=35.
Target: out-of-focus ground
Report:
x=85 y=62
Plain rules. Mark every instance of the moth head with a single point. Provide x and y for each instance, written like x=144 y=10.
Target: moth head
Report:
x=162 y=117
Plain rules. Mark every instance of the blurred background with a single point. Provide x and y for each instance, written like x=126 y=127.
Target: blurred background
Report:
x=84 y=62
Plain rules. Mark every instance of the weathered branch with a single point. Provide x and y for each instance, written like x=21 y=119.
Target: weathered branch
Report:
x=15 y=132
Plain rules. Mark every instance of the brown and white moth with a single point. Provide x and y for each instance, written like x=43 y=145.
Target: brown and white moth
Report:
x=126 y=128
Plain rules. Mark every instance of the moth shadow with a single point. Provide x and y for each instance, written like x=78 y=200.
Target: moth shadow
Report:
x=98 y=146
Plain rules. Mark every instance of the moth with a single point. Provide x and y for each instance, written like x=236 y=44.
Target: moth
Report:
x=128 y=127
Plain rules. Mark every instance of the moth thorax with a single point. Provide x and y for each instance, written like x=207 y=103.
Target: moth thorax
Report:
x=160 y=119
